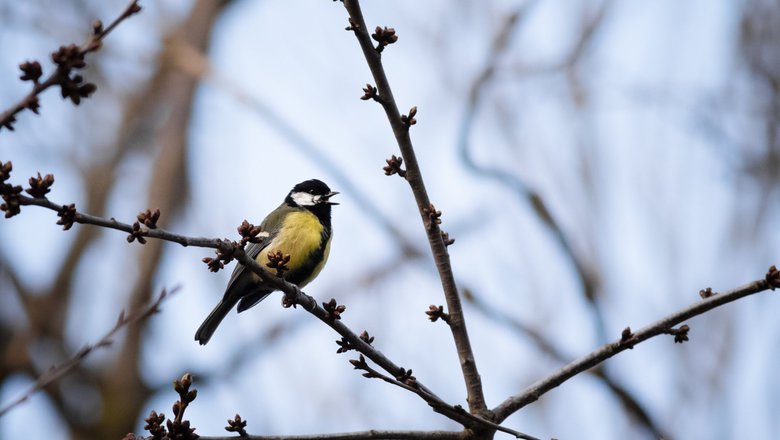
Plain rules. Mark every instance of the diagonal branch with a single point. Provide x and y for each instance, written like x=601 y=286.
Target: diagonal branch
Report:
x=61 y=75
x=455 y=413
x=56 y=372
x=195 y=63
x=629 y=401
x=69 y=216
x=365 y=435
x=437 y=405
x=476 y=398
x=629 y=341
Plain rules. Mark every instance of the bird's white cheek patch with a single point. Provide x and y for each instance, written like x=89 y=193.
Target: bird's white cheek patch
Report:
x=303 y=198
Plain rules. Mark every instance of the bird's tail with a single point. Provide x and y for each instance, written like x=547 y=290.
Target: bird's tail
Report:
x=212 y=321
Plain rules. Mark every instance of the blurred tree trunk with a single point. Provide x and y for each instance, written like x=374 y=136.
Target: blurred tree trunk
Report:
x=163 y=106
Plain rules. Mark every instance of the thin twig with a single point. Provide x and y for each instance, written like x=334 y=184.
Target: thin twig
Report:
x=631 y=403
x=476 y=398
x=292 y=291
x=61 y=73
x=56 y=372
x=662 y=326
x=364 y=435
x=119 y=226
x=194 y=62
x=438 y=405
x=587 y=35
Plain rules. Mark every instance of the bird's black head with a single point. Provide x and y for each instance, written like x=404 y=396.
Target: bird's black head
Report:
x=313 y=195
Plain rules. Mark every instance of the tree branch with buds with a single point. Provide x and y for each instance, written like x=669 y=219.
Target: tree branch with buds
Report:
x=629 y=340
x=228 y=250
x=400 y=125
x=67 y=58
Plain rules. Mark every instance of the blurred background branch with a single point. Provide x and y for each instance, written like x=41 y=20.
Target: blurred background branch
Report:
x=159 y=107
x=56 y=372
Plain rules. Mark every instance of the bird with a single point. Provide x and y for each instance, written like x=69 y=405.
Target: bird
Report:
x=301 y=228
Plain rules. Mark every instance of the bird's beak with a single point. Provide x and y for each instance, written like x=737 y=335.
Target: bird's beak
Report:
x=327 y=197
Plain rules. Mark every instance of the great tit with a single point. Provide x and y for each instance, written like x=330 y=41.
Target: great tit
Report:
x=300 y=228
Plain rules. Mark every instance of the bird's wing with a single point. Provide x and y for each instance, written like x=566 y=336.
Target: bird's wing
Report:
x=270 y=225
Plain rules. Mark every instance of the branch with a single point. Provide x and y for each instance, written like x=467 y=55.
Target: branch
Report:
x=180 y=428
x=67 y=58
x=227 y=250
x=630 y=340
x=455 y=413
x=400 y=126
x=56 y=372
x=142 y=231
x=631 y=403
x=194 y=62
x=568 y=63
x=365 y=435
x=409 y=383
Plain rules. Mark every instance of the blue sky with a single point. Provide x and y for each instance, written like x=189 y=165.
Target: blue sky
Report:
x=643 y=194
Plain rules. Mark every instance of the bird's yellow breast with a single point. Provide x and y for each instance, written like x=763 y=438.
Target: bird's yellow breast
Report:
x=299 y=237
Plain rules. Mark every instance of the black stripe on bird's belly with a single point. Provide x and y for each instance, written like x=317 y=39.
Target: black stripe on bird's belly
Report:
x=322 y=211
x=304 y=272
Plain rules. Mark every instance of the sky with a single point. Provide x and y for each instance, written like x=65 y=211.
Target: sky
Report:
x=644 y=195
